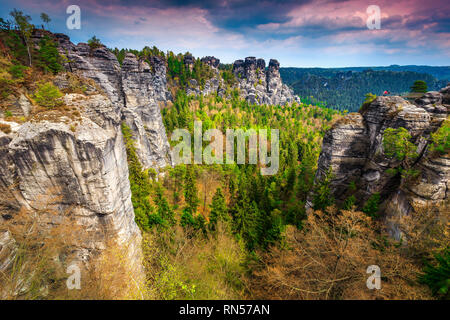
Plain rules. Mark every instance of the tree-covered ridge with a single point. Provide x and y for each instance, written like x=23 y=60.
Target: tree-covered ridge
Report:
x=180 y=67
x=226 y=71
x=143 y=54
x=345 y=89
x=29 y=70
x=180 y=71
x=44 y=57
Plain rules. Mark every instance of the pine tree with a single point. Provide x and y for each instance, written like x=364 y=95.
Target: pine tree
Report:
x=187 y=219
x=322 y=197
x=273 y=229
x=177 y=174
x=49 y=57
x=45 y=19
x=251 y=225
x=190 y=190
x=25 y=27
x=200 y=223
x=419 y=86
x=437 y=275
x=219 y=210
x=371 y=206
x=163 y=208
x=94 y=43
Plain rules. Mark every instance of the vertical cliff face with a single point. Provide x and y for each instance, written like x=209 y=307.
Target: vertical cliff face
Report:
x=353 y=150
x=72 y=160
x=135 y=88
x=71 y=166
x=142 y=90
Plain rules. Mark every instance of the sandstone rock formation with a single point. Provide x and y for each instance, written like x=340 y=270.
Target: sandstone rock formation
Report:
x=353 y=150
x=260 y=85
x=57 y=162
x=75 y=166
x=214 y=85
x=135 y=88
x=211 y=61
x=256 y=83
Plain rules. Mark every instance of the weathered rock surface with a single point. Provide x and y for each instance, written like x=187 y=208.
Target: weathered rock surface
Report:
x=353 y=150
x=445 y=94
x=214 y=85
x=135 y=89
x=71 y=166
x=7 y=250
x=260 y=85
x=142 y=114
x=211 y=61
x=78 y=164
x=256 y=83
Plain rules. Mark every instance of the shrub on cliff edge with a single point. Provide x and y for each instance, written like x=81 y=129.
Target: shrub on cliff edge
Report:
x=48 y=95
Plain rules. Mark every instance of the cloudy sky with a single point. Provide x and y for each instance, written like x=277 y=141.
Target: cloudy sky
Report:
x=299 y=33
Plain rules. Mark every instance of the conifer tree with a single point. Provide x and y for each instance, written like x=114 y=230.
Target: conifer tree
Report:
x=322 y=197
x=163 y=208
x=219 y=210
x=419 y=86
x=190 y=190
x=371 y=206
x=45 y=19
x=25 y=27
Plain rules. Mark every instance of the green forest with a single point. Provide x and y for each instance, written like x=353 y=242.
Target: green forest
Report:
x=344 y=89
x=256 y=208
x=262 y=219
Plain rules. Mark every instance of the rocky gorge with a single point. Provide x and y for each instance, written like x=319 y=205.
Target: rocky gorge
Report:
x=72 y=160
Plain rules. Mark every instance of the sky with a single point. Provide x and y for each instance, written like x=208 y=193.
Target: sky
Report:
x=298 y=33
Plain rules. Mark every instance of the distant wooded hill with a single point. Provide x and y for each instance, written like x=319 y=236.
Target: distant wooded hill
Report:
x=345 y=88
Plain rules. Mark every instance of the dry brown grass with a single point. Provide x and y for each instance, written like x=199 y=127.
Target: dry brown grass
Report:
x=6 y=128
x=111 y=276
x=182 y=266
x=426 y=231
x=46 y=242
x=40 y=251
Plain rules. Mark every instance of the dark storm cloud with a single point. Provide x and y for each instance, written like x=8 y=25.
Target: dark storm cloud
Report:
x=315 y=29
x=245 y=16
x=231 y=14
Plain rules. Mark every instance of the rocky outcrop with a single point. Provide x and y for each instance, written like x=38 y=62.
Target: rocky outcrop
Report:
x=260 y=85
x=75 y=167
x=432 y=102
x=142 y=91
x=135 y=88
x=445 y=94
x=353 y=150
x=213 y=85
x=73 y=159
x=189 y=61
x=256 y=83
x=211 y=61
